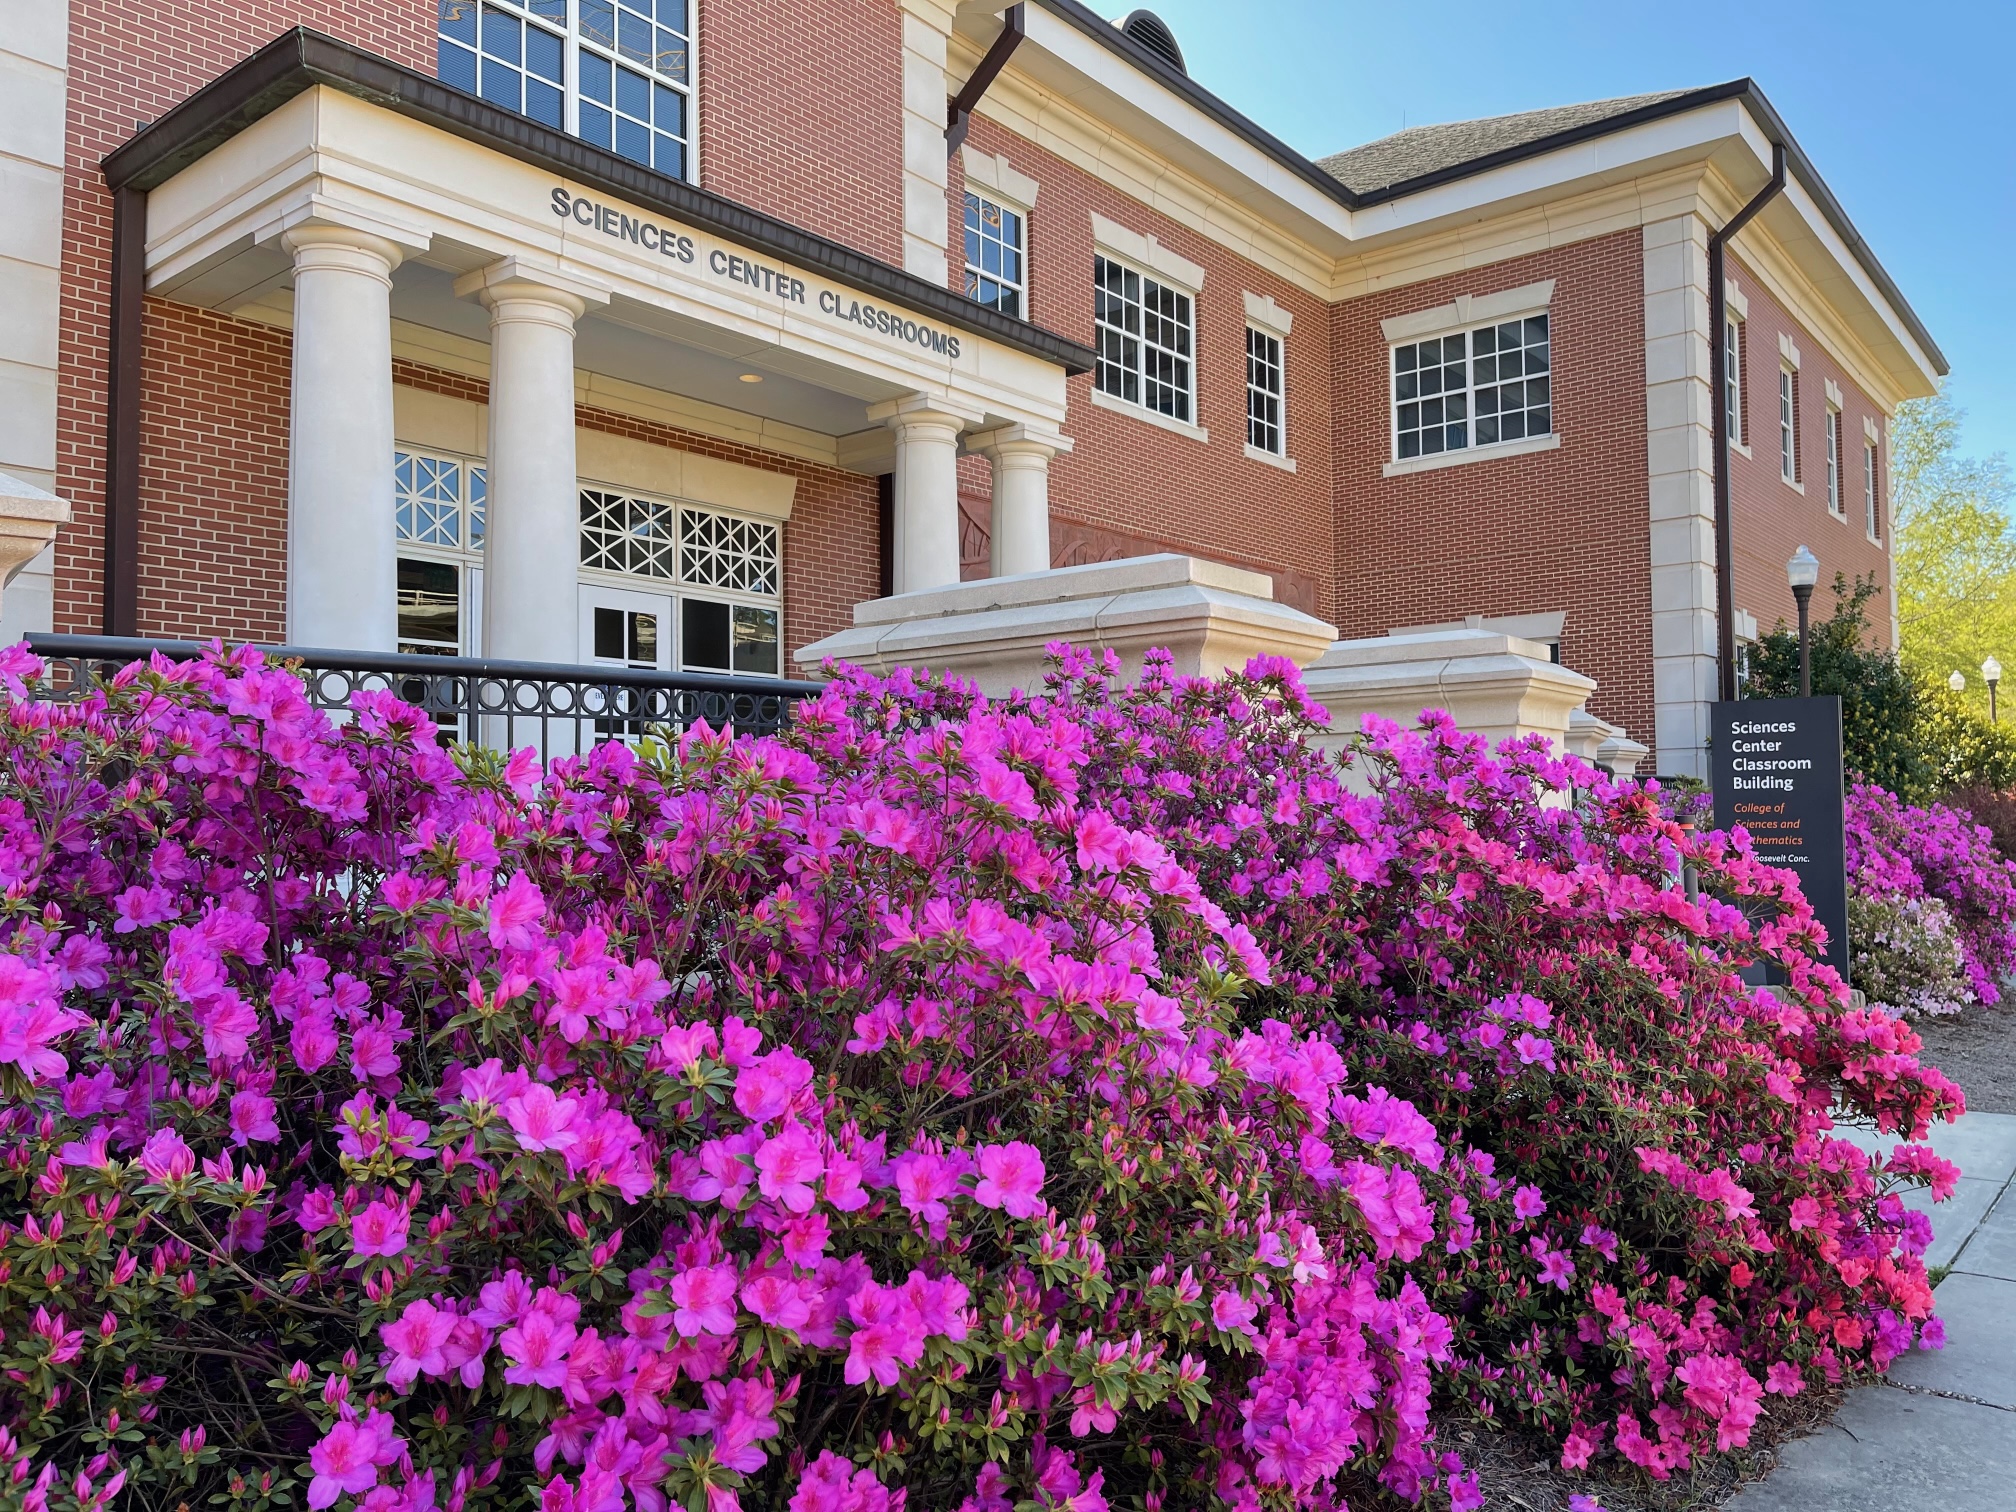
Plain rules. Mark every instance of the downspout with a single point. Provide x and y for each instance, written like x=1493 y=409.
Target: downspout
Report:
x=121 y=592
x=1718 y=361
x=959 y=109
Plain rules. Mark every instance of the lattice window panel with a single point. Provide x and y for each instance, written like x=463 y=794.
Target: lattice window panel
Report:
x=620 y=533
x=720 y=551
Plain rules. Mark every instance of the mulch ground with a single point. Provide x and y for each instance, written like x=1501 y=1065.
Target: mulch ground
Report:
x=1978 y=1050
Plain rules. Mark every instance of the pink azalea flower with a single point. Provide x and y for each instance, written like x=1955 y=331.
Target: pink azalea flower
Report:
x=705 y=1298
x=1011 y=1178
x=166 y=1158
x=1233 y=1313
x=1528 y=1204
x=766 y=1087
x=541 y=1121
x=787 y=1165
x=380 y=1230
x=417 y=1339
x=776 y=1300
x=252 y=1118
x=515 y=913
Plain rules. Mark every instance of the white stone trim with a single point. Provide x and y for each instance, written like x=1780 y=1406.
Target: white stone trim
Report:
x=1746 y=626
x=1788 y=350
x=1255 y=454
x=993 y=172
x=927 y=24
x=1264 y=312
x=630 y=465
x=1471 y=309
x=1737 y=301
x=1871 y=430
x=1833 y=393
x=1520 y=448
x=1147 y=253
x=1151 y=417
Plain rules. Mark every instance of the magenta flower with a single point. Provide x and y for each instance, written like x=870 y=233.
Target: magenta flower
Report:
x=252 y=1118
x=766 y=1088
x=166 y=1158
x=1528 y=1204
x=418 y=1339
x=537 y=1348
x=515 y=913
x=787 y=1165
x=380 y=1230
x=1011 y=1178
x=705 y=1298
x=541 y=1121
x=1233 y=1313
x=343 y=1464
x=776 y=1300
x=924 y=1180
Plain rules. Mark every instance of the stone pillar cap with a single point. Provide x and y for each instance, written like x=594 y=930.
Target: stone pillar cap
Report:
x=1059 y=585
x=21 y=500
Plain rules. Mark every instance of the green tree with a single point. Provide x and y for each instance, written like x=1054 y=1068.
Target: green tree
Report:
x=1953 y=549
x=1881 y=707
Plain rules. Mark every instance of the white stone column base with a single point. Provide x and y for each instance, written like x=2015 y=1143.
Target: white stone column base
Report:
x=28 y=520
x=1209 y=616
x=1495 y=685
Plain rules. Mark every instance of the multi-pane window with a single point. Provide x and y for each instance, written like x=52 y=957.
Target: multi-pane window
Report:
x=1833 y=440
x=1732 y=378
x=1263 y=392
x=1788 y=425
x=995 y=255
x=617 y=73
x=725 y=572
x=438 y=516
x=1146 y=336
x=1473 y=388
x=1870 y=503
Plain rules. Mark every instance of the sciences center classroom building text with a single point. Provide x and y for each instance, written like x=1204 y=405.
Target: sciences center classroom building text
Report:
x=665 y=332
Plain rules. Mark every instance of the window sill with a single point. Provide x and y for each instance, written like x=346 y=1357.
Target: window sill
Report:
x=1741 y=450
x=1876 y=541
x=1522 y=448
x=1106 y=401
x=1272 y=459
x=1839 y=517
x=1798 y=488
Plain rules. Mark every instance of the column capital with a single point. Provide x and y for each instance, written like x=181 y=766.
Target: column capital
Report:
x=514 y=281
x=1008 y=442
x=924 y=412
x=323 y=231
x=319 y=244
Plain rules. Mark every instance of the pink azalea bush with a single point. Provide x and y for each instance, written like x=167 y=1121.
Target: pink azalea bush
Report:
x=1899 y=854
x=1070 y=1102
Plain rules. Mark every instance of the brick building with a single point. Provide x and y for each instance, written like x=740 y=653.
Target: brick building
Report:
x=667 y=331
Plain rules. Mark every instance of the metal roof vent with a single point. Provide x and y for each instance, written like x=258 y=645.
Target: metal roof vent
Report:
x=1153 y=33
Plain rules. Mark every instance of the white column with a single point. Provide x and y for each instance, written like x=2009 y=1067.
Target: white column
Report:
x=927 y=26
x=1021 y=526
x=925 y=551
x=532 y=528
x=1680 y=400
x=342 y=563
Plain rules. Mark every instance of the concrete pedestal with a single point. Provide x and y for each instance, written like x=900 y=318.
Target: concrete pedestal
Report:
x=1210 y=617
x=1603 y=744
x=1495 y=685
x=28 y=520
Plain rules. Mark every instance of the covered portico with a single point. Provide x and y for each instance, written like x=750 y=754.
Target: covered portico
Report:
x=328 y=190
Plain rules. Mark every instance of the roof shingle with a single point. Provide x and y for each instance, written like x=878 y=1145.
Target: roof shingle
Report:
x=1422 y=150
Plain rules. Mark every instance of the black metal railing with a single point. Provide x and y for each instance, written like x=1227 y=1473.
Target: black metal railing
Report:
x=558 y=710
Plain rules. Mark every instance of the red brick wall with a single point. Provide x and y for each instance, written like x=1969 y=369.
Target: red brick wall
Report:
x=1773 y=519
x=1566 y=530
x=801 y=114
x=128 y=64
x=1128 y=478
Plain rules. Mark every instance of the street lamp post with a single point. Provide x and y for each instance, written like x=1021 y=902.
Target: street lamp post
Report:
x=1991 y=672
x=1802 y=572
x=1957 y=681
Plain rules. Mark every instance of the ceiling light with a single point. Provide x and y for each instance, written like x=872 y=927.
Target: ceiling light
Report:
x=752 y=377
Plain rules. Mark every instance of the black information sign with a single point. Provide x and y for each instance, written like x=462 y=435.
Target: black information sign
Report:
x=1777 y=772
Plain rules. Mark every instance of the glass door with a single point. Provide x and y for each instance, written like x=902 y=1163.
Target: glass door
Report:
x=623 y=628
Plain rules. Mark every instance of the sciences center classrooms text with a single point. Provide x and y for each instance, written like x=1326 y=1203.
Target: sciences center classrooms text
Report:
x=731 y=267
x=1753 y=764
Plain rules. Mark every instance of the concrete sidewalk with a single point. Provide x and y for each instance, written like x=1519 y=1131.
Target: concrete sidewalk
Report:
x=1940 y=1433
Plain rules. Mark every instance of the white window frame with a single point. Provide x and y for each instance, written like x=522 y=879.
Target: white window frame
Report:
x=574 y=42
x=1872 y=478
x=466 y=554
x=1139 y=370
x=1732 y=379
x=1262 y=363
x=984 y=198
x=1480 y=316
x=1788 y=427
x=678 y=587
x=1832 y=437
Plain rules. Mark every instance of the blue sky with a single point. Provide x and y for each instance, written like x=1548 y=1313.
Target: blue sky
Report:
x=1903 y=110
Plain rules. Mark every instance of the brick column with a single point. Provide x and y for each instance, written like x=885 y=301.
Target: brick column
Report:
x=1680 y=454
x=342 y=564
x=1021 y=525
x=925 y=550
x=532 y=519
